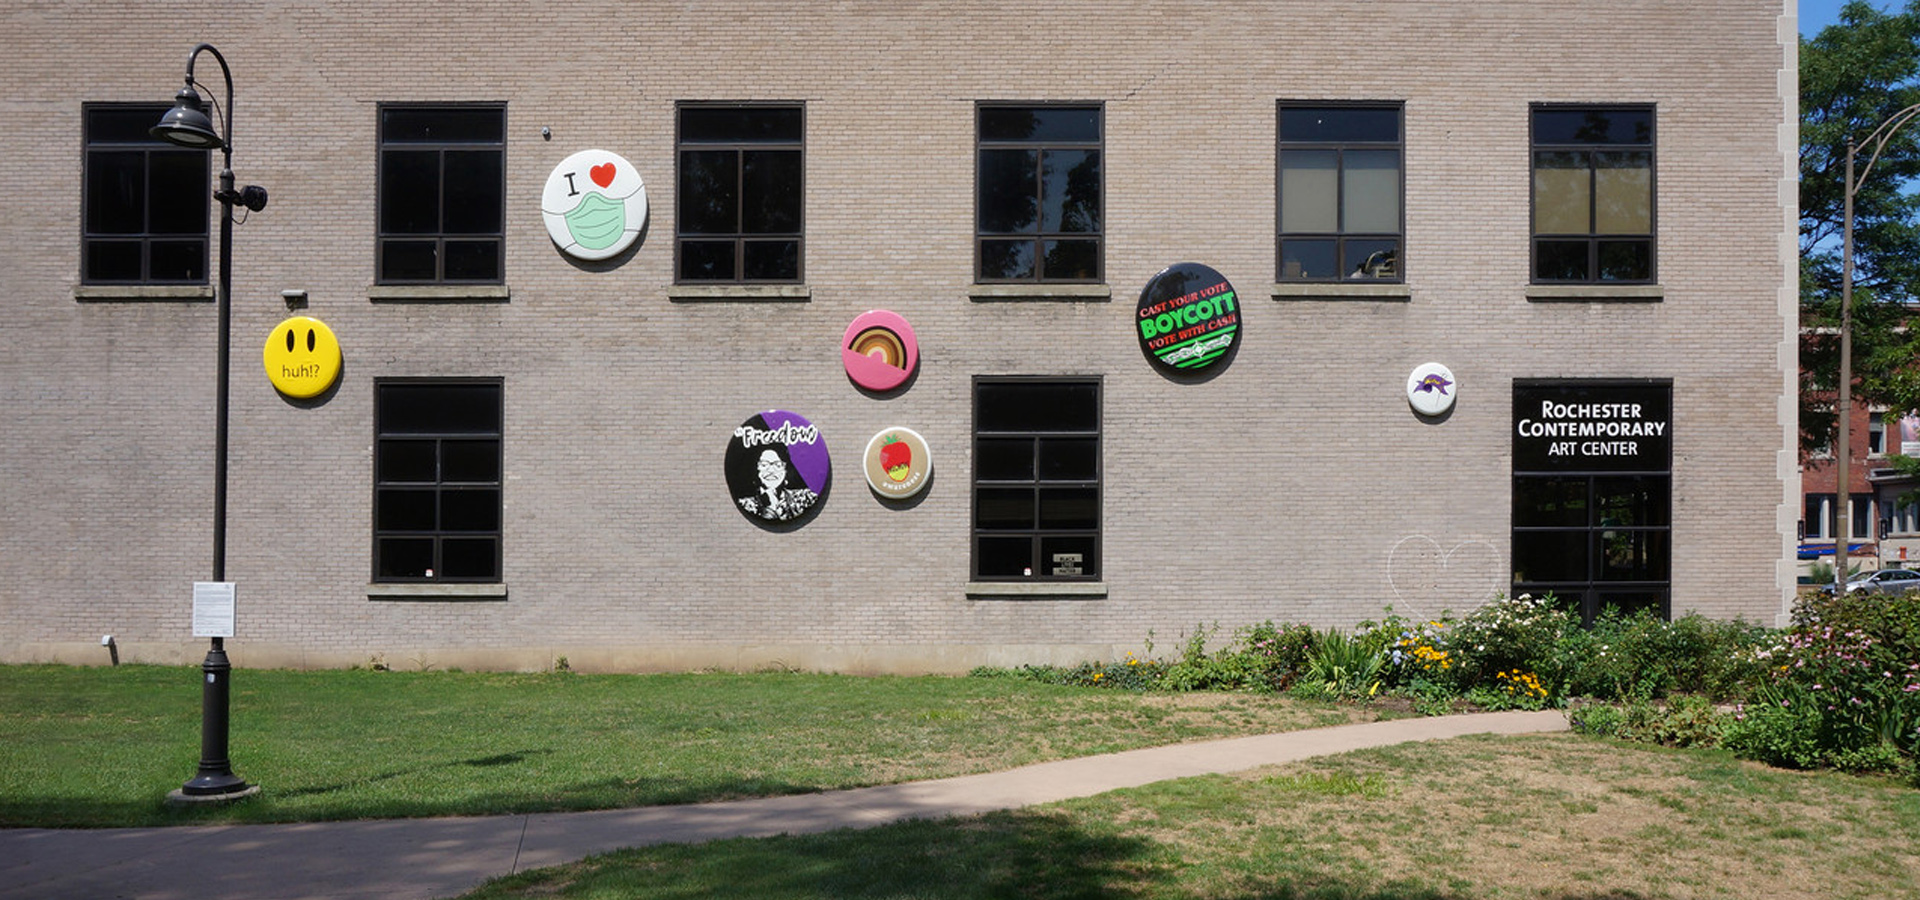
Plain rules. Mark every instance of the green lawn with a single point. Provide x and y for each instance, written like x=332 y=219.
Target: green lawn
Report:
x=104 y=746
x=1553 y=817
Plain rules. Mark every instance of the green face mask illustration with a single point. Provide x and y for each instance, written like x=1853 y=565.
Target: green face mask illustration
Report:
x=597 y=222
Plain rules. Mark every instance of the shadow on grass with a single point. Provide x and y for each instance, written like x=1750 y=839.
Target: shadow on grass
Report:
x=484 y=762
x=1010 y=854
x=1031 y=854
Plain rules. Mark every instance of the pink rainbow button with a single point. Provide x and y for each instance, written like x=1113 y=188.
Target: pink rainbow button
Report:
x=879 y=350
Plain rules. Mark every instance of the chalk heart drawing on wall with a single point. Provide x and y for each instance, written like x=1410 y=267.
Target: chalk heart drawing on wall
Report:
x=1427 y=577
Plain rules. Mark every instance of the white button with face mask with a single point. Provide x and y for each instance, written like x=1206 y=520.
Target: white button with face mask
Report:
x=594 y=205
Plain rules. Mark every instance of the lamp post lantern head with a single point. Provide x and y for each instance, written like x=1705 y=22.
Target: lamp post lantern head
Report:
x=186 y=124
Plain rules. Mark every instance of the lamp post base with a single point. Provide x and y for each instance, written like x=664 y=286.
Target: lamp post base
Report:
x=182 y=798
x=215 y=779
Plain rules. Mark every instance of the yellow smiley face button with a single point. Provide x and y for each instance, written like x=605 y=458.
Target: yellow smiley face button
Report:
x=302 y=357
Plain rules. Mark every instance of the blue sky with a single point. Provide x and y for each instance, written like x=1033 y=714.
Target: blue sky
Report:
x=1818 y=14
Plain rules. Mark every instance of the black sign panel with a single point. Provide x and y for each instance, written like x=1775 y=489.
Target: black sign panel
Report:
x=1593 y=426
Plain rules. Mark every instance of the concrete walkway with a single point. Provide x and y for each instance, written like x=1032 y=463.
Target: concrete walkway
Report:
x=418 y=859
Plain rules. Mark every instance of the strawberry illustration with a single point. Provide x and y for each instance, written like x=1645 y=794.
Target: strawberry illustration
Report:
x=895 y=457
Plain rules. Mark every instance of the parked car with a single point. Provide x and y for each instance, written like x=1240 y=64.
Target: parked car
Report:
x=1886 y=581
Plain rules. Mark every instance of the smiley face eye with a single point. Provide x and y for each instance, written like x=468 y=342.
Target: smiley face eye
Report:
x=289 y=340
x=309 y=340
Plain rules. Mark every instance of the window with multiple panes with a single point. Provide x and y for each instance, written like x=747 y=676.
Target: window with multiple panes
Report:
x=436 y=481
x=742 y=183
x=1593 y=193
x=1039 y=193
x=1876 y=434
x=1036 y=479
x=442 y=194
x=146 y=204
x=1340 y=182
x=1821 y=519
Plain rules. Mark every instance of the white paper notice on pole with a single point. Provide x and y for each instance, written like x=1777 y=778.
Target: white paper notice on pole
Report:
x=213 y=609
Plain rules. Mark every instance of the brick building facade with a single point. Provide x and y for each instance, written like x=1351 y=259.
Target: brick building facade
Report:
x=1588 y=219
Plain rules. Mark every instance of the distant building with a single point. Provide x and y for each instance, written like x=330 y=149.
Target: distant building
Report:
x=1188 y=314
x=1883 y=528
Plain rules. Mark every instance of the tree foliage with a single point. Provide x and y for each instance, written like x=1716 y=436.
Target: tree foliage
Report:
x=1855 y=75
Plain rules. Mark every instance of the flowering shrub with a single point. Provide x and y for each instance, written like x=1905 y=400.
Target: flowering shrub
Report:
x=1524 y=632
x=1419 y=653
x=1831 y=699
x=1842 y=688
x=1278 y=653
x=1512 y=689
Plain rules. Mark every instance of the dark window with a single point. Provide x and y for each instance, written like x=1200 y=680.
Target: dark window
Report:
x=1593 y=192
x=1036 y=479
x=442 y=192
x=1340 y=184
x=1593 y=495
x=1818 y=521
x=436 y=481
x=1822 y=521
x=146 y=202
x=741 y=193
x=1038 y=215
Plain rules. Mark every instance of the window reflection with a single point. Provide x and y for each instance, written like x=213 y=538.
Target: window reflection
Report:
x=741 y=193
x=1039 y=175
x=1593 y=194
x=1340 y=184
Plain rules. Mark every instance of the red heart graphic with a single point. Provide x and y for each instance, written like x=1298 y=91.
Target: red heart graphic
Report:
x=602 y=174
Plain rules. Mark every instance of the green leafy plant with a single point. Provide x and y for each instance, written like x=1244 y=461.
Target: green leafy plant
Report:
x=1342 y=666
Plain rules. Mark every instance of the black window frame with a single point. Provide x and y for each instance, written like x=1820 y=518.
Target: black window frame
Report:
x=740 y=237
x=386 y=556
x=1390 y=271
x=1042 y=442
x=115 y=130
x=1595 y=241
x=1038 y=238
x=386 y=241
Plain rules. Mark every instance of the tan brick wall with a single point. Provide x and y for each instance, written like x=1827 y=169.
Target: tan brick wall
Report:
x=1288 y=488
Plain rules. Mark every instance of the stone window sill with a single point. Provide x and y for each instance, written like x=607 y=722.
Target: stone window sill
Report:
x=439 y=293
x=1595 y=293
x=133 y=293
x=1036 y=590
x=437 y=591
x=1095 y=293
x=740 y=293
x=1372 y=290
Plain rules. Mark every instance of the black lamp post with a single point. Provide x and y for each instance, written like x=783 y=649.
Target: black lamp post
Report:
x=1843 y=440
x=187 y=125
